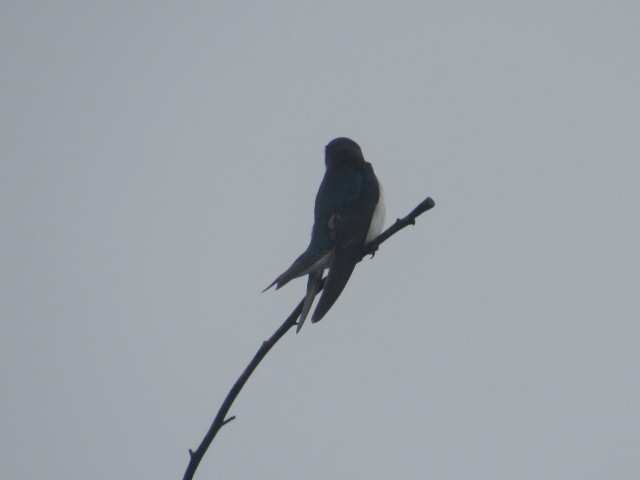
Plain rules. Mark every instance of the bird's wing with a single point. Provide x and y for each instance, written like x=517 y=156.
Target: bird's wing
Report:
x=343 y=260
x=348 y=229
x=348 y=240
x=304 y=264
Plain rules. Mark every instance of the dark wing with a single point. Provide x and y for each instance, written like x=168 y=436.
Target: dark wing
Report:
x=348 y=231
x=335 y=193
x=301 y=266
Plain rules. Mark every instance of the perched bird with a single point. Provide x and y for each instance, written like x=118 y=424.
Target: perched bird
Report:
x=349 y=212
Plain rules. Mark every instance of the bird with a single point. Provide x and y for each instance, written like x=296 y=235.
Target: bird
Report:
x=349 y=212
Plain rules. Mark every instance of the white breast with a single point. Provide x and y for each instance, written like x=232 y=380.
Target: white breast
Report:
x=377 y=221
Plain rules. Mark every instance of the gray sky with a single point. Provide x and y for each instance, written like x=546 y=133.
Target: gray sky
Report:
x=159 y=163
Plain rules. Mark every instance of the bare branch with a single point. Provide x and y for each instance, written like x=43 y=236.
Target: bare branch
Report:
x=219 y=421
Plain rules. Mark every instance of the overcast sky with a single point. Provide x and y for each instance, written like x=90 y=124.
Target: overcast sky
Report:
x=158 y=167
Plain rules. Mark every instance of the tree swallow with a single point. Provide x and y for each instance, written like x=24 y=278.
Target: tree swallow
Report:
x=349 y=213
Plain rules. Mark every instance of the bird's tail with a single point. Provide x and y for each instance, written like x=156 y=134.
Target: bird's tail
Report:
x=313 y=284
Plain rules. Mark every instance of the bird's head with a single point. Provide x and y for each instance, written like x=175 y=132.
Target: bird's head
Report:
x=342 y=150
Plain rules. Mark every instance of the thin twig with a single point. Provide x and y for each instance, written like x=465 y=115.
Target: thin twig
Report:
x=220 y=420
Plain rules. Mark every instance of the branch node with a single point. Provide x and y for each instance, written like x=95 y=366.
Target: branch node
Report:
x=228 y=420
